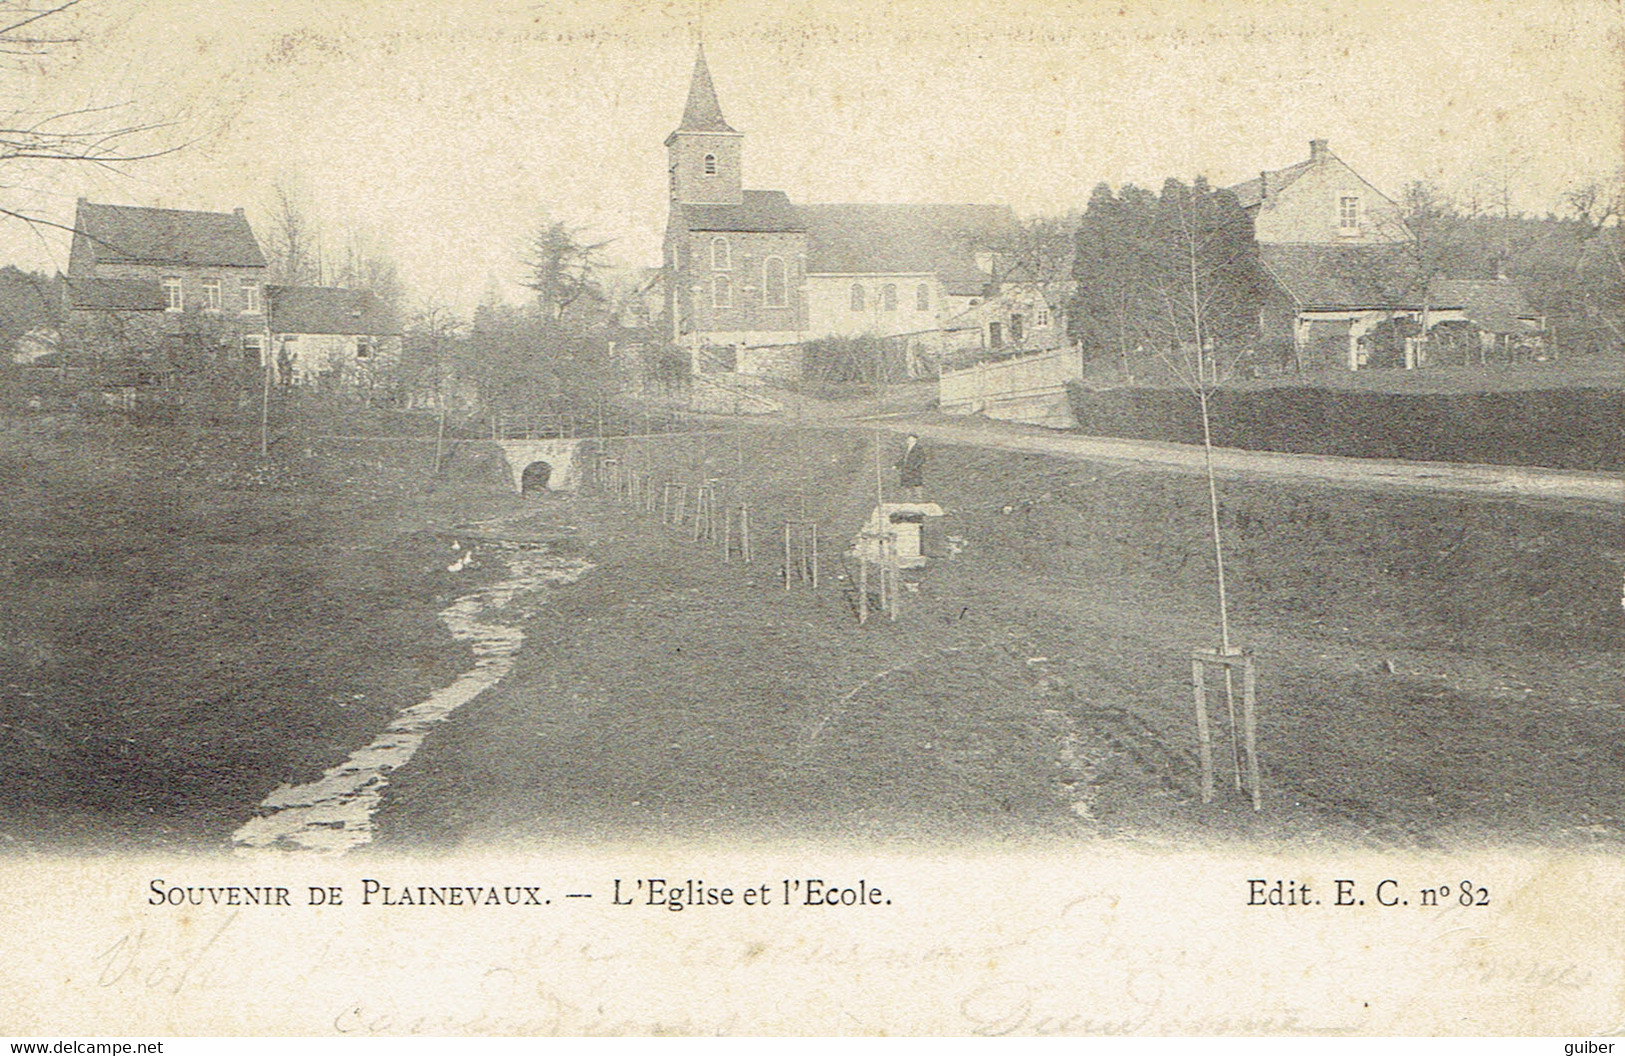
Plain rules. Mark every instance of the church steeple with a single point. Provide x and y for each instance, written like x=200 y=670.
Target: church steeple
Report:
x=704 y=155
x=703 y=113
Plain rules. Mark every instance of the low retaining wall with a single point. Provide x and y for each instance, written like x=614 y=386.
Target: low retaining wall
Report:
x=1029 y=389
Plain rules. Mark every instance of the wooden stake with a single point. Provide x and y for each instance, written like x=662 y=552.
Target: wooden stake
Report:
x=1203 y=735
x=1249 y=715
x=889 y=554
x=1230 y=703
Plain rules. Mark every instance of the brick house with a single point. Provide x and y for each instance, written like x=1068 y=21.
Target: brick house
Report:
x=165 y=286
x=749 y=275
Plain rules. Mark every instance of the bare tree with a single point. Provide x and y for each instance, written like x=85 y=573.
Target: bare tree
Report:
x=291 y=240
x=32 y=32
x=1599 y=268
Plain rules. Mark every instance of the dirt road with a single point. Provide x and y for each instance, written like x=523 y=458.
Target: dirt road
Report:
x=1490 y=481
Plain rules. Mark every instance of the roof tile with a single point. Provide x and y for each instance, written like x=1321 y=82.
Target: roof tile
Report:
x=127 y=234
x=327 y=310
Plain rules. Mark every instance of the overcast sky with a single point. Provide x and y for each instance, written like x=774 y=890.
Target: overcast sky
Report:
x=448 y=135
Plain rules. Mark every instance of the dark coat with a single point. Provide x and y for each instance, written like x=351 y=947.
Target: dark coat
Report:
x=911 y=467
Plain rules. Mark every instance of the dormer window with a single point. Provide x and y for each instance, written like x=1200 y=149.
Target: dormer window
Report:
x=857 y=297
x=888 y=297
x=922 y=298
x=1348 y=214
x=719 y=254
x=710 y=164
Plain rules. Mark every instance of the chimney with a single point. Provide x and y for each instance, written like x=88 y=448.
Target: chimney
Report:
x=1263 y=185
x=1317 y=150
x=238 y=210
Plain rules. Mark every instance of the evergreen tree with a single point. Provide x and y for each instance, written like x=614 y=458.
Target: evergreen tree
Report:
x=1167 y=274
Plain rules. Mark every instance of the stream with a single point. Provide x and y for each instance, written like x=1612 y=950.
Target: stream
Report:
x=333 y=814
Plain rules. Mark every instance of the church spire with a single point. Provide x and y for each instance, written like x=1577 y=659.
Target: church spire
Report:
x=703 y=113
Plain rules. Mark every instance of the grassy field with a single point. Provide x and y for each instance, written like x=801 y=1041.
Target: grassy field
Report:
x=182 y=631
x=1434 y=670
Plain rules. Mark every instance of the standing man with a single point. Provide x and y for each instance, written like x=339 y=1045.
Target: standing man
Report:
x=911 y=468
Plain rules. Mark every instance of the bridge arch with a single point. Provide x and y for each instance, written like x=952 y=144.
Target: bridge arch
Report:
x=562 y=457
x=535 y=476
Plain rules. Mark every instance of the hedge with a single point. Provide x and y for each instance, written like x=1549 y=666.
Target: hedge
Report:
x=1579 y=428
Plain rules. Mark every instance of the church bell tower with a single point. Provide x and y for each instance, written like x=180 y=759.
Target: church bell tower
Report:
x=704 y=155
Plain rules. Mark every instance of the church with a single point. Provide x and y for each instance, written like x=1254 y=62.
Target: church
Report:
x=751 y=275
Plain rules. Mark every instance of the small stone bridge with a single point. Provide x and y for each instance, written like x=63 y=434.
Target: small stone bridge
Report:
x=544 y=465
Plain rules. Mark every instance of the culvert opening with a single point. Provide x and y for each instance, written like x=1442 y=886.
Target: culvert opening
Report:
x=535 y=477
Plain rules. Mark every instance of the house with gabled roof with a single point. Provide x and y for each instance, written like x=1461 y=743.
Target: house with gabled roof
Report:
x=1320 y=201
x=158 y=284
x=331 y=336
x=1345 y=286
x=751 y=275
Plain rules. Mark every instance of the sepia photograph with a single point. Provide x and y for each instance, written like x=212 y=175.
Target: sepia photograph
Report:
x=821 y=518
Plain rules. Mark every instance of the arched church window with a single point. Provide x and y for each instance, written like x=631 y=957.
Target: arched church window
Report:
x=721 y=292
x=857 y=296
x=719 y=254
x=710 y=164
x=888 y=297
x=773 y=283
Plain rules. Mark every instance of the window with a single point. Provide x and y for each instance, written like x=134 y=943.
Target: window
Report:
x=888 y=297
x=253 y=349
x=710 y=164
x=719 y=253
x=1016 y=324
x=1041 y=319
x=721 y=292
x=251 y=298
x=773 y=283
x=211 y=295
x=922 y=298
x=174 y=300
x=672 y=174
x=857 y=296
x=1348 y=214
x=995 y=335
x=363 y=348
